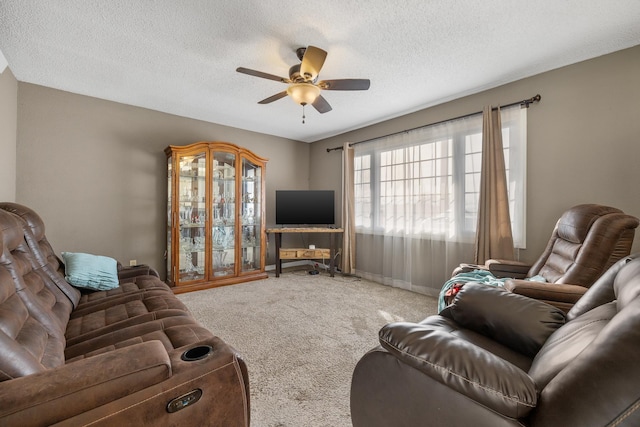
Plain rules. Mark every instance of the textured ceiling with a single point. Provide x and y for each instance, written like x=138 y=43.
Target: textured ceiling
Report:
x=180 y=57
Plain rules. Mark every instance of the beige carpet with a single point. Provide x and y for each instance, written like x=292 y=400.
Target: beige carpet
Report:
x=302 y=336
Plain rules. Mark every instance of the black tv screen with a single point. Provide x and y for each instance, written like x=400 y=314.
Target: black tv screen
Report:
x=302 y=207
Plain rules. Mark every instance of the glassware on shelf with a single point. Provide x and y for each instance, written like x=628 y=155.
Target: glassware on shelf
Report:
x=249 y=237
x=219 y=258
x=217 y=217
x=231 y=211
x=199 y=243
x=219 y=238
x=223 y=262
x=223 y=237
x=187 y=249
x=247 y=217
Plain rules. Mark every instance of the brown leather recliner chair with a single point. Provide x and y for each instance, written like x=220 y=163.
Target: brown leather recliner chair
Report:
x=586 y=241
x=497 y=359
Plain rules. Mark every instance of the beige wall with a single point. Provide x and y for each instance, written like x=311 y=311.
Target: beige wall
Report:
x=95 y=170
x=583 y=139
x=8 y=129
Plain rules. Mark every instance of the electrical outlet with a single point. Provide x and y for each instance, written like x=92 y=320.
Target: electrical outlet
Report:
x=132 y=262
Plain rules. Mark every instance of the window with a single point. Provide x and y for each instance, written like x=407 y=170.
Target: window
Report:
x=426 y=182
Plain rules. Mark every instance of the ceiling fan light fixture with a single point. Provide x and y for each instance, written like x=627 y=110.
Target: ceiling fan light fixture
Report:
x=303 y=93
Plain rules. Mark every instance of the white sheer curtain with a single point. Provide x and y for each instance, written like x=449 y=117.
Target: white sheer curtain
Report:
x=416 y=200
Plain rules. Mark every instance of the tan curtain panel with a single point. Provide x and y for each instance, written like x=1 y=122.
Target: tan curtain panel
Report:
x=494 y=239
x=348 y=259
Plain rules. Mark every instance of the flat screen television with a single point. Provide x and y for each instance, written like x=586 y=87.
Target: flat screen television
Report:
x=305 y=207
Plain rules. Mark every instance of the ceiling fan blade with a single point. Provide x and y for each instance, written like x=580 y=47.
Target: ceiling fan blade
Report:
x=312 y=62
x=273 y=97
x=345 y=84
x=321 y=105
x=261 y=74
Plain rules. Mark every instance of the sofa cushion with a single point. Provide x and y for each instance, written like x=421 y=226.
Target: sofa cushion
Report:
x=136 y=285
x=599 y=386
x=31 y=337
x=100 y=319
x=41 y=249
x=568 y=342
x=90 y=271
x=627 y=284
x=173 y=332
x=444 y=324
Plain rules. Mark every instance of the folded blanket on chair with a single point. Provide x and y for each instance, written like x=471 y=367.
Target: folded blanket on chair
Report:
x=453 y=285
x=480 y=276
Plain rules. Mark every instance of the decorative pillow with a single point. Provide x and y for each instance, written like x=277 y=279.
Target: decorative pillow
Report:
x=90 y=271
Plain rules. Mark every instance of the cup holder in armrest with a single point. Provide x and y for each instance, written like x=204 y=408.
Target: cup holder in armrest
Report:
x=196 y=353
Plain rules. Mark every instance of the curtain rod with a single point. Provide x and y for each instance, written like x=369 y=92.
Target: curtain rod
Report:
x=524 y=104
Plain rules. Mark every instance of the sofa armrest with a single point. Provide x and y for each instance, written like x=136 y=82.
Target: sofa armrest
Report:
x=499 y=268
x=506 y=268
x=549 y=292
x=467 y=268
x=54 y=395
x=462 y=366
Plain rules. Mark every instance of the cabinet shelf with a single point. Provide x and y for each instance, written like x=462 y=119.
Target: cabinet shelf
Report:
x=215 y=201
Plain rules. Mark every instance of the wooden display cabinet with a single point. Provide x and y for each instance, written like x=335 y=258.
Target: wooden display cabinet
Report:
x=215 y=216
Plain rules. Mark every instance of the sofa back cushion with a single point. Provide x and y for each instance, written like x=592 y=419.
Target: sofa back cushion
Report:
x=626 y=285
x=568 y=342
x=31 y=335
x=600 y=385
x=587 y=372
x=565 y=344
x=41 y=248
x=33 y=271
x=601 y=292
x=586 y=241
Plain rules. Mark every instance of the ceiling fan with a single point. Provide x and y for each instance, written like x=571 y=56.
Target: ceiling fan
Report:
x=304 y=87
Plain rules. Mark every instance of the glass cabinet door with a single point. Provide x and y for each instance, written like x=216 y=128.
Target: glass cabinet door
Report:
x=223 y=210
x=191 y=193
x=251 y=199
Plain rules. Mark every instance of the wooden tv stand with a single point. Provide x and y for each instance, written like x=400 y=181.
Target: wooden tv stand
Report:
x=297 y=253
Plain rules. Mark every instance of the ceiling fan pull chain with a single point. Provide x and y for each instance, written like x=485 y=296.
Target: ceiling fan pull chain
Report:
x=303 y=116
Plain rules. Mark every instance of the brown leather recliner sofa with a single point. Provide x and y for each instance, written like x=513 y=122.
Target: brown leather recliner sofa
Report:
x=494 y=358
x=132 y=355
x=586 y=240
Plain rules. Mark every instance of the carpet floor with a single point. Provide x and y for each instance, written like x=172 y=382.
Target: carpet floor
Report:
x=301 y=336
